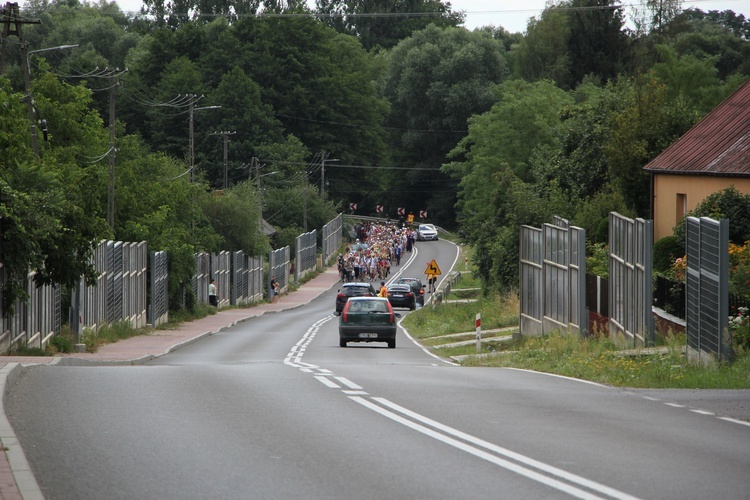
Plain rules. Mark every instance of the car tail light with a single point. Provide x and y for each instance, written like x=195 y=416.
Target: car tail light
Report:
x=341 y=296
x=409 y=294
x=392 y=315
x=345 y=314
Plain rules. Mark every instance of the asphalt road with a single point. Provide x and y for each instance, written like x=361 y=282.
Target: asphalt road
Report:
x=273 y=408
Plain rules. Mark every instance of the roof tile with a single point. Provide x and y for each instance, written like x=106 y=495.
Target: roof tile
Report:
x=719 y=144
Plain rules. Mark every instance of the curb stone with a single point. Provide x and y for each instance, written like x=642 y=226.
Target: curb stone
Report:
x=26 y=484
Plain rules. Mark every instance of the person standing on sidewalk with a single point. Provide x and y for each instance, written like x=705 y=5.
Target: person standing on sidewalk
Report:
x=212 y=298
x=274 y=290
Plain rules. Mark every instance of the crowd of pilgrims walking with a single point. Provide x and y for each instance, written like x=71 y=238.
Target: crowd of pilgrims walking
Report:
x=377 y=246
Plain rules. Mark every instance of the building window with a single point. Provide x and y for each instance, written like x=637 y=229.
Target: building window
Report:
x=681 y=206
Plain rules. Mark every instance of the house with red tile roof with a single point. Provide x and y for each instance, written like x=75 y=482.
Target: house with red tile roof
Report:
x=712 y=156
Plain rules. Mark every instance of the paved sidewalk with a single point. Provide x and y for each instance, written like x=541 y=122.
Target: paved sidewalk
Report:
x=16 y=479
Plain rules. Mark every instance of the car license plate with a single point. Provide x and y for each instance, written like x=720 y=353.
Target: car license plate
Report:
x=368 y=335
x=398 y=295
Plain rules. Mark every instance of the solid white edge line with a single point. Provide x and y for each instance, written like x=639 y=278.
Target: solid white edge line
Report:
x=424 y=349
x=522 y=471
x=408 y=335
x=572 y=379
x=568 y=476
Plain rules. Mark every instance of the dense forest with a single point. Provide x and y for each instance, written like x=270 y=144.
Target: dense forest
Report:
x=185 y=124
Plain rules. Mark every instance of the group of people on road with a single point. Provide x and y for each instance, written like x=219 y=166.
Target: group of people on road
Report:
x=376 y=248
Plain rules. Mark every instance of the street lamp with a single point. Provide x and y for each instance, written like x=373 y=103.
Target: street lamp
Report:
x=27 y=85
x=192 y=149
x=257 y=182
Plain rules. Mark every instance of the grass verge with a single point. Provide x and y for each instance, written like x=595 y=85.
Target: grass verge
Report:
x=602 y=360
x=599 y=358
x=444 y=319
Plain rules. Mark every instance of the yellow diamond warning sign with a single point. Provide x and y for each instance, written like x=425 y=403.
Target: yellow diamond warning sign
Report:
x=433 y=268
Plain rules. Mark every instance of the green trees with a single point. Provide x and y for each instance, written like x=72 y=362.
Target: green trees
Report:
x=281 y=76
x=49 y=209
x=494 y=195
x=598 y=44
x=436 y=81
x=409 y=111
x=543 y=52
x=384 y=24
x=575 y=40
x=235 y=217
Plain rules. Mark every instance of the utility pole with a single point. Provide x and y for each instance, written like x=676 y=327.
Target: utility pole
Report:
x=191 y=150
x=304 y=200
x=324 y=157
x=255 y=163
x=9 y=14
x=26 y=53
x=191 y=141
x=110 y=74
x=111 y=190
x=322 y=173
x=29 y=98
x=225 y=135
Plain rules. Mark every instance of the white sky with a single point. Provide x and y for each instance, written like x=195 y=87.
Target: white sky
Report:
x=514 y=14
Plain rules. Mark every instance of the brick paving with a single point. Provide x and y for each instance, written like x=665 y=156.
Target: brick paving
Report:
x=16 y=479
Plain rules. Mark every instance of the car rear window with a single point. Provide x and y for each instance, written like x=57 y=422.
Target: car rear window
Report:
x=368 y=306
x=356 y=290
x=413 y=283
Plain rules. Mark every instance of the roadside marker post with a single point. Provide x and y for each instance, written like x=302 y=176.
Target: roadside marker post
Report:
x=479 y=333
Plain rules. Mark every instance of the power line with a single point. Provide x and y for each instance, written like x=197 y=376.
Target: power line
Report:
x=339 y=165
x=363 y=126
x=177 y=176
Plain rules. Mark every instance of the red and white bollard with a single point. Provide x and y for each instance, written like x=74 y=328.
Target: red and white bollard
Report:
x=479 y=333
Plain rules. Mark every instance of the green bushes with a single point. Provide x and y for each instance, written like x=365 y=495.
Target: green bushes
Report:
x=666 y=251
x=61 y=343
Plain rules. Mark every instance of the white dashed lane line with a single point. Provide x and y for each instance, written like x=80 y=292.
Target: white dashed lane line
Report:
x=697 y=411
x=540 y=472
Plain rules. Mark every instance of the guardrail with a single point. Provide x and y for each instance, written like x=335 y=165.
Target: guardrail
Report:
x=447 y=285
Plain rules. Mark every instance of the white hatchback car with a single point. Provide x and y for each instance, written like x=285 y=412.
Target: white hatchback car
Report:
x=427 y=232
